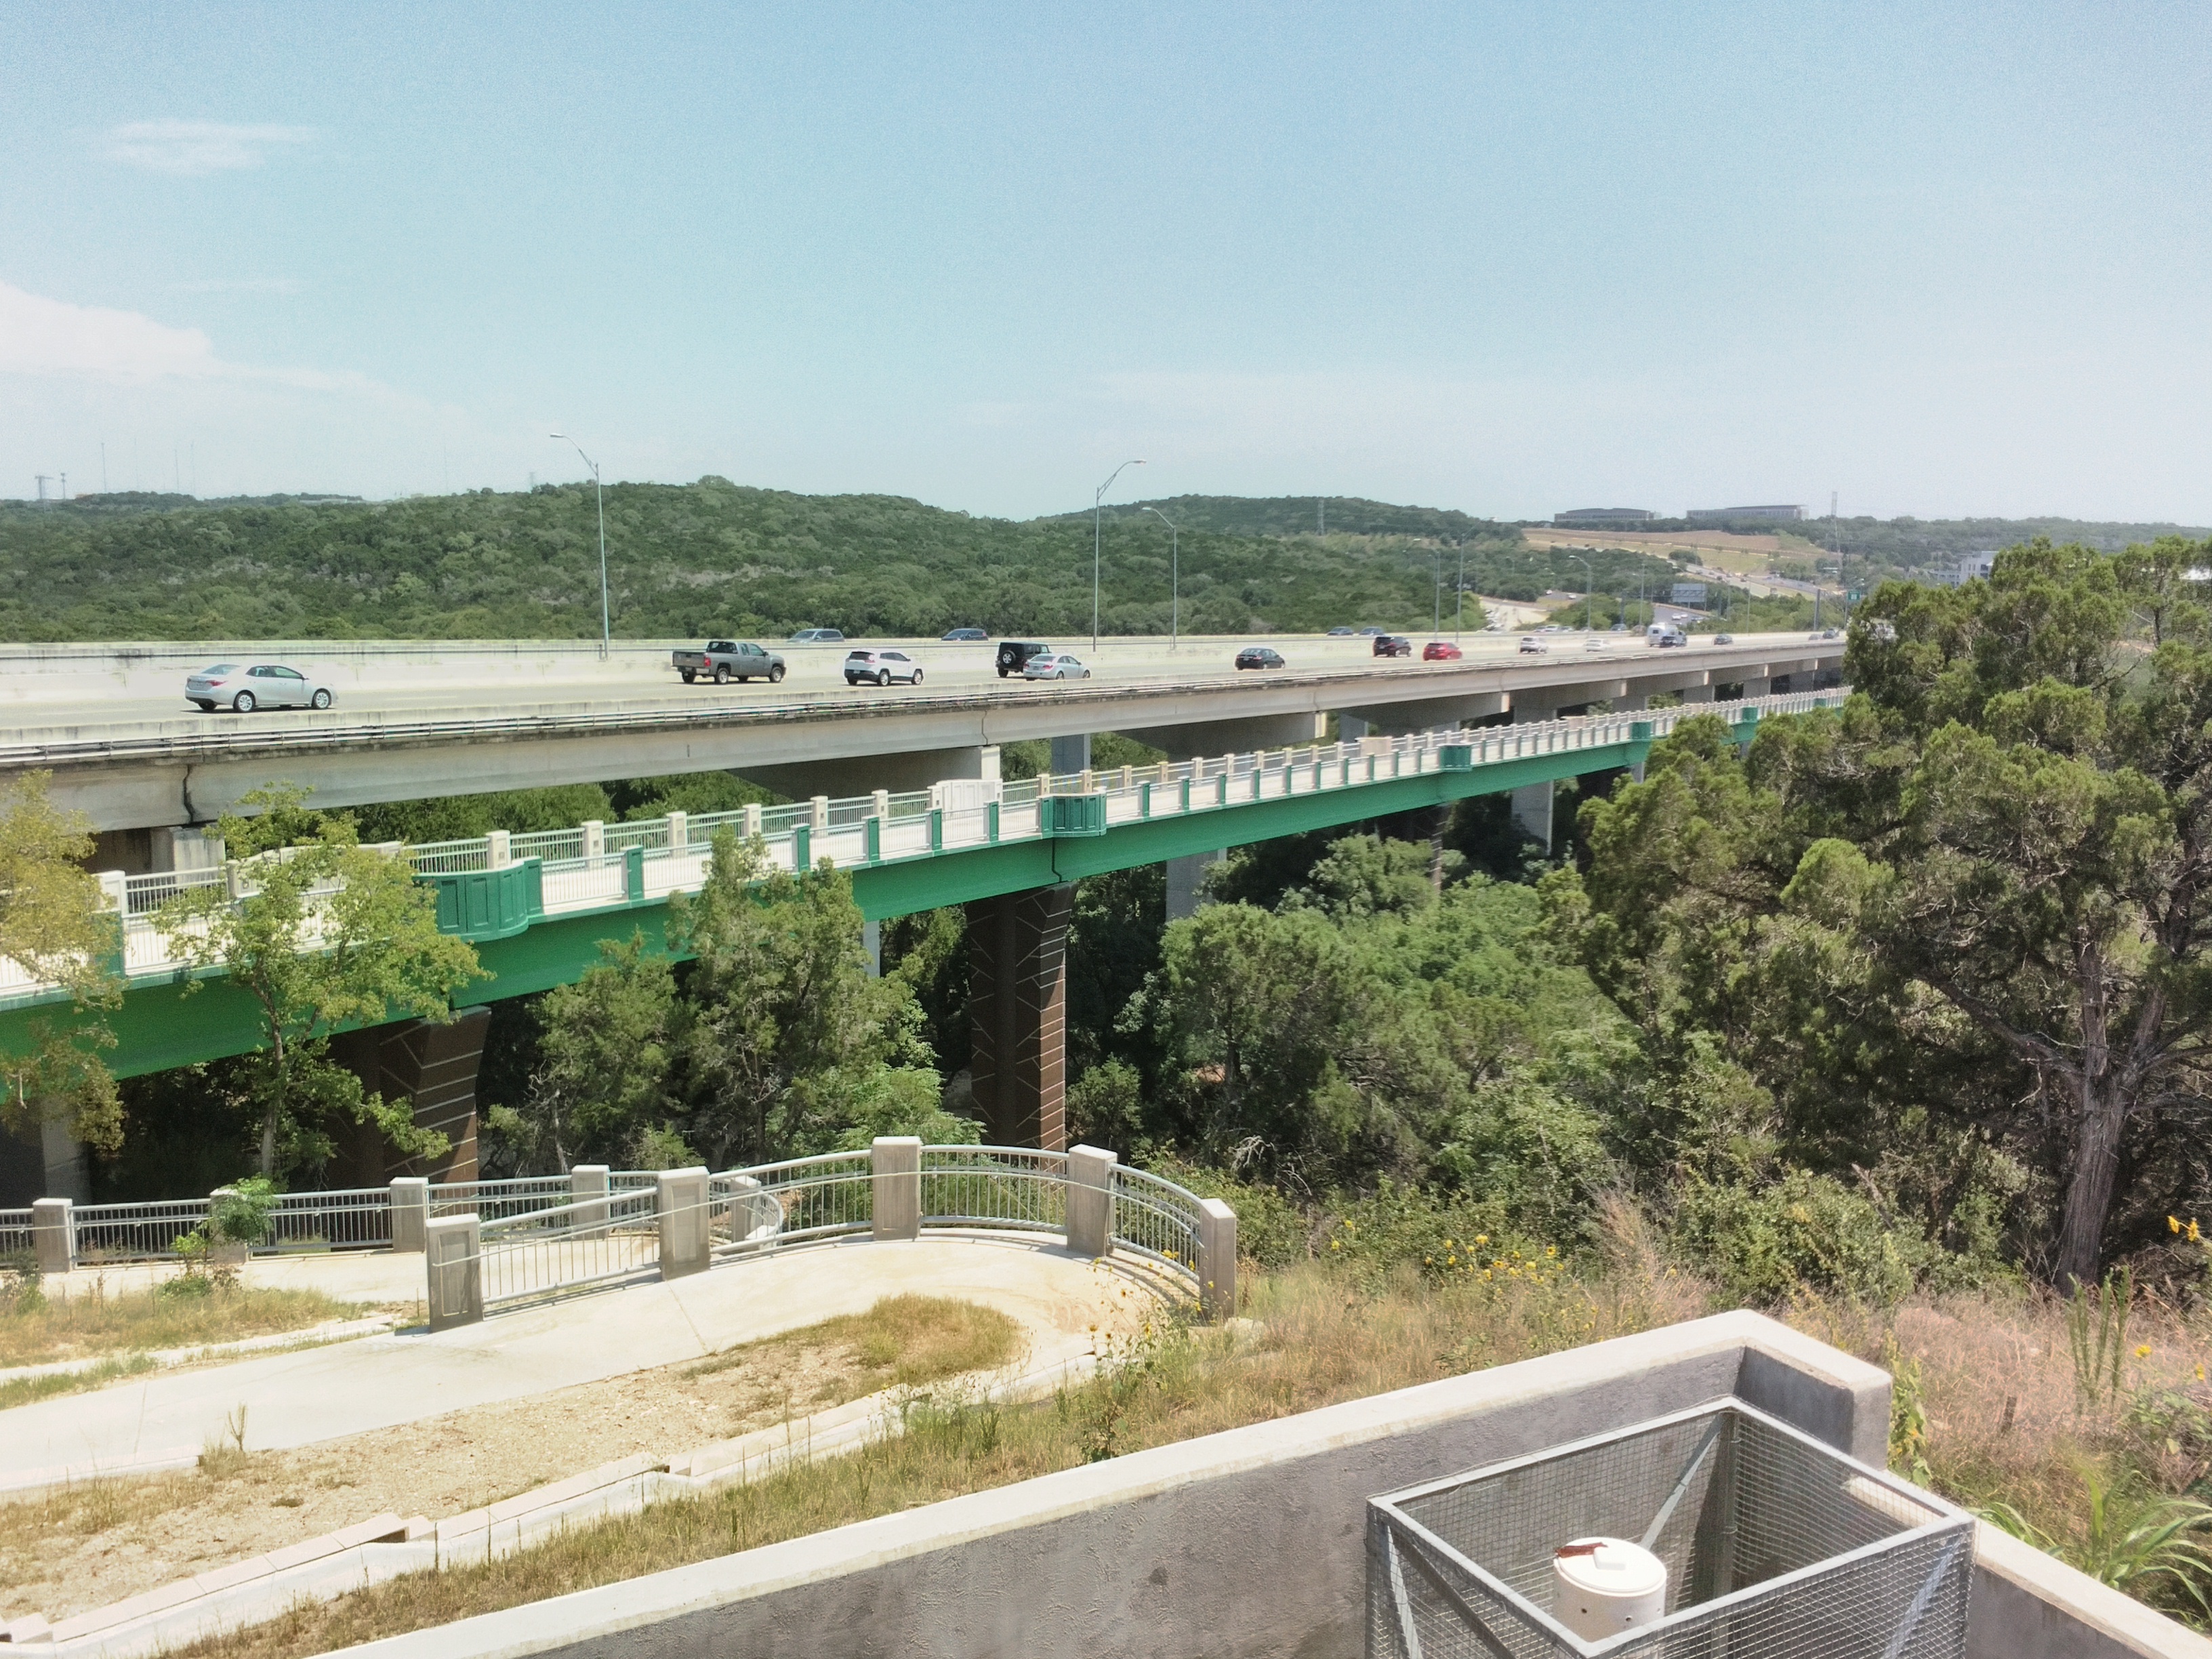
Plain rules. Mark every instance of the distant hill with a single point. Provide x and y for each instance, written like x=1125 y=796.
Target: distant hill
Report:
x=1909 y=543
x=1307 y=515
x=694 y=559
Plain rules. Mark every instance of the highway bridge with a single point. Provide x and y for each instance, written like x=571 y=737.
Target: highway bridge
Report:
x=415 y=721
x=537 y=906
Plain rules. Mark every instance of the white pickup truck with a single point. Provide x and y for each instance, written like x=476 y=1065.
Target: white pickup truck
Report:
x=723 y=660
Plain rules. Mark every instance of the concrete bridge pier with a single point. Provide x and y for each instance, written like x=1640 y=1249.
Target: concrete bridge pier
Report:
x=1071 y=755
x=1532 y=805
x=1017 y=1015
x=431 y=1066
x=1187 y=880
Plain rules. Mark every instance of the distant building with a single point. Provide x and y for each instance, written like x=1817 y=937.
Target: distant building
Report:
x=1689 y=593
x=1786 y=513
x=1596 y=517
x=1972 y=566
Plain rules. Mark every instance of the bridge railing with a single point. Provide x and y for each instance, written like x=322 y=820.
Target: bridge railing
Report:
x=597 y=865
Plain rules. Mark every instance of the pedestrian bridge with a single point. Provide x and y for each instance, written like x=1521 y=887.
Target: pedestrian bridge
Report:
x=538 y=905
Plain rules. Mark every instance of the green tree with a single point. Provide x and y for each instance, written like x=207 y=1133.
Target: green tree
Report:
x=787 y=1037
x=605 y=1055
x=52 y=927
x=325 y=933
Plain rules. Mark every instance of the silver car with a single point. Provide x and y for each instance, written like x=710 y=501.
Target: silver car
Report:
x=246 y=687
x=1053 y=666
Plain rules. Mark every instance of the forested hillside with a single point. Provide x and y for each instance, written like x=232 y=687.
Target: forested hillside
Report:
x=690 y=560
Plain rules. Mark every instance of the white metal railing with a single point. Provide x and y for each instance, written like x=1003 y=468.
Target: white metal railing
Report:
x=587 y=1241
x=575 y=875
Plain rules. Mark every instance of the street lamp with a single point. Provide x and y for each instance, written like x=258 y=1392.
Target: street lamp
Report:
x=1096 y=508
x=1436 y=624
x=1589 y=587
x=605 y=634
x=1459 y=618
x=1174 y=579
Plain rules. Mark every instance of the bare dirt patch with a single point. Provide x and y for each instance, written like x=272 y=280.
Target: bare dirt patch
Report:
x=81 y=1548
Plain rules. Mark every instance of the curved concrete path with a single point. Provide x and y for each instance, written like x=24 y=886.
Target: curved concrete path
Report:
x=296 y=1399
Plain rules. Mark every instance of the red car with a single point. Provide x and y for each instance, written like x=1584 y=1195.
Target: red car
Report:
x=1440 y=651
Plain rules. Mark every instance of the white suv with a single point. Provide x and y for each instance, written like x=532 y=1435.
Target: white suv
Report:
x=881 y=668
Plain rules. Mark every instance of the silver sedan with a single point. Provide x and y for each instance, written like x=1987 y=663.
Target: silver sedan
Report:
x=1053 y=666
x=248 y=686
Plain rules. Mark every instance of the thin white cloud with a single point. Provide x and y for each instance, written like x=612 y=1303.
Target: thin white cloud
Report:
x=195 y=148
x=53 y=338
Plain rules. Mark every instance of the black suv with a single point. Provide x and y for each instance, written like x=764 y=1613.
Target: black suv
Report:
x=1014 y=654
x=1393 y=644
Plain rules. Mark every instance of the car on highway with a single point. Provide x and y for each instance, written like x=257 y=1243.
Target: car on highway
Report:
x=1339 y=633
x=1014 y=654
x=1441 y=650
x=1534 y=645
x=723 y=660
x=818 y=636
x=1723 y=639
x=865 y=667
x=1596 y=642
x=1393 y=644
x=245 y=687
x=1824 y=634
x=1371 y=632
x=1259 y=656
x=966 y=636
x=1053 y=666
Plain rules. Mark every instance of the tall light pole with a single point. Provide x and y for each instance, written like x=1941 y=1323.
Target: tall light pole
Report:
x=1590 y=587
x=1096 y=508
x=1174 y=579
x=606 y=631
x=1459 y=618
x=1436 y=624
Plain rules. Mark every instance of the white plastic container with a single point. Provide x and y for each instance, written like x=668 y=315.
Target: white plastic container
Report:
x=1602 y=1591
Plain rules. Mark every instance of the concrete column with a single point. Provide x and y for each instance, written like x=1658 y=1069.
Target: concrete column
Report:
x=687 y=1243
x=818 y=810
x=451 y=1246
x=1350 y=728
x=679 y=831
x=54 y=1234
x=1185 y=882
x=1697 y=694
x=410 y=1213
x=1217 y=1259
x=595 y=838
x=1017 y=1002
x=431 y=1064
x=871 y=941
x=1532 y=806
x=1071 y=753
x=65 y=1175
x=752 y=819
x=1631 y=703
x=895 y=1161
x=1757 y=688
x=496 y=853
x=1090 y=1200
x=587 y=1191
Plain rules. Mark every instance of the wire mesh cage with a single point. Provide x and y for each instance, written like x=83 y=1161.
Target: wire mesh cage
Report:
x=1773 y=1543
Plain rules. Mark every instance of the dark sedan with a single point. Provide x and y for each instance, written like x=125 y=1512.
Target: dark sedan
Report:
x=1259 y=656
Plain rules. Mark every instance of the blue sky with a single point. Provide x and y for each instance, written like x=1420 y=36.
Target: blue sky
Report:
x=1938 y=259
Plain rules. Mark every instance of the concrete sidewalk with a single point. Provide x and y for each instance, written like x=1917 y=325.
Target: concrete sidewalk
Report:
x=323 y=1394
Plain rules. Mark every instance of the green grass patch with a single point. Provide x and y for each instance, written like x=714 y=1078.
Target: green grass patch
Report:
x=35 y=1329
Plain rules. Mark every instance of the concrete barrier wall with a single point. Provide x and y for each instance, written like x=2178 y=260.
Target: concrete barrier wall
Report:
x=1246 y=1543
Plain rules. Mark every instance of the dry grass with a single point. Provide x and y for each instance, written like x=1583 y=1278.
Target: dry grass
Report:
x=34 y=1331
x=1318 y=1340
x=87 y=1545
x=22 y=1390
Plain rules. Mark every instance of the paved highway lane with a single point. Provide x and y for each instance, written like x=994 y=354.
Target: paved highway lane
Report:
x=454 y=680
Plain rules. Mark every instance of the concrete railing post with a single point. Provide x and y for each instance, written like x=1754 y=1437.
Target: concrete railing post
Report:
x=895 y=1162
x=752 y=820
x=1090 y=1200
x=452 y=1252
x=587 y=1191
x=679 y=831
x=818 y=807
x=496 y=853
x=595 y=838
x=1217 y=1259
x=686 y=1223
x=54 y=1234
x=410 y=1213
x=879 y=804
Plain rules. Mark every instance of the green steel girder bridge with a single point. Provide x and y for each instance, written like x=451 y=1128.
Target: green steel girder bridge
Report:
x=538 y=905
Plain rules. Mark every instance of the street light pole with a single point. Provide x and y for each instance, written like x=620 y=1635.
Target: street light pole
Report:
x=1097 y=509
x=1590 y=587
x=1437 y=625
x=1459 y=618
x=606 y=631
x=1174 y=579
